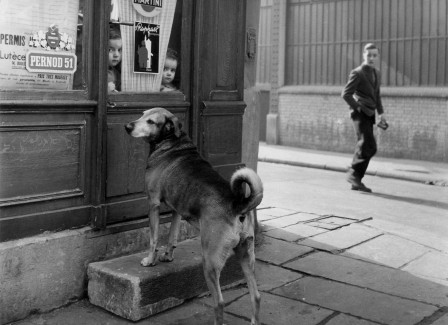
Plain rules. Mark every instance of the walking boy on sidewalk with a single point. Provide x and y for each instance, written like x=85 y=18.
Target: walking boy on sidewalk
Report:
x=362 y=93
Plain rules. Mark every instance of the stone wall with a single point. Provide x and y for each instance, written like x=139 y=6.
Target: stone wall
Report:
x=41 y=273
x=316 y=117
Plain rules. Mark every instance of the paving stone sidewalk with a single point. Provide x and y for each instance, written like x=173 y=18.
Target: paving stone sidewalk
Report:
x=344 y=271
x=315 y=270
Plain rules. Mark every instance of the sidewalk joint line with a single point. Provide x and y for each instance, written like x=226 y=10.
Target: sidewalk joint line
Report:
x=363 y=287
x=325 y=308
x=405 y=238
x=413 y=260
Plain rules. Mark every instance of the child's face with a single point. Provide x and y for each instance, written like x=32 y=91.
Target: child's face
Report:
x=169 y=71
x=114 y=52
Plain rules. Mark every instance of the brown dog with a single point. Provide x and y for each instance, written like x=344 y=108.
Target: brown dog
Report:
x=178 y=176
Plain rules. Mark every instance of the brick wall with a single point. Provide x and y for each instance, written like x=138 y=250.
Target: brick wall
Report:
x=316 y=117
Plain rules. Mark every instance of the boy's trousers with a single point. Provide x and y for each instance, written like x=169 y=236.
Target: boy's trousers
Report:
x=366 y=145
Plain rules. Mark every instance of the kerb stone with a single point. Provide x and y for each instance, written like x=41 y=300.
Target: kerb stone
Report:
x=125 y=288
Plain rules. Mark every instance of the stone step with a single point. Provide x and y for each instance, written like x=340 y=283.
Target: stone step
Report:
x=125 y=288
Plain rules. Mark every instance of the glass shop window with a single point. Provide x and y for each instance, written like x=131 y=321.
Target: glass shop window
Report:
x=144 y=46
x=40 y=44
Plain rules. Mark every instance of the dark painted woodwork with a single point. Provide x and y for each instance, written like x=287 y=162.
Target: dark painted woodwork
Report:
x=223 y=122
x=49 y=220
x=220 y=45
x=41 y=159
x=126 y=157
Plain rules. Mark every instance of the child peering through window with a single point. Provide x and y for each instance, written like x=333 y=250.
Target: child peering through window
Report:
x=113 y=72
x=169 y=70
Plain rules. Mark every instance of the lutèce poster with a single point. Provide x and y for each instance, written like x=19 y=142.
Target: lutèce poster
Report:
x=37 y=44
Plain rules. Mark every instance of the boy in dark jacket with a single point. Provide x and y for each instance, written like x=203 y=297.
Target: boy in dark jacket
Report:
x=362 y=94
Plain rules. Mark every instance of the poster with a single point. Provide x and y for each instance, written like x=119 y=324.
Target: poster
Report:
x=147 y=49
x=37 y=44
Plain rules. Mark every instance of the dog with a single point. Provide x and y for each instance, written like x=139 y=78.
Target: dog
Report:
x=177 y=175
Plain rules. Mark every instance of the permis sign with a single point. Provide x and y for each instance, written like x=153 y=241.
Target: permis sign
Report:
x=51 y=62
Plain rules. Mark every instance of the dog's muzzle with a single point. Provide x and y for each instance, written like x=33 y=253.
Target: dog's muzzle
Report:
x=129 y=127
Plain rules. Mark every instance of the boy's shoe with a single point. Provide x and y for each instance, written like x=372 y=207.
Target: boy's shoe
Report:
x=357 y=185
x=361 y=188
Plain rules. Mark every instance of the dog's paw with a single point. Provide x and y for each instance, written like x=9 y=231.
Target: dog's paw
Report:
x=165 y=258
x=147 y=262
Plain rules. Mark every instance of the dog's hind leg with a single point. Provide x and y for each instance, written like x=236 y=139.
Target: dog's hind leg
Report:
x=216 y=248
x=212 y=272
x=172 y=241
x=153 y=235
x=246 y=256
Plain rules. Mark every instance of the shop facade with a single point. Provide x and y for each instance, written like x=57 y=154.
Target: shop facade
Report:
x=72 y=187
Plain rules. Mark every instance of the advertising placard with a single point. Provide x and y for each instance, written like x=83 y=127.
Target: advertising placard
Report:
x=148 y=8
x=37 y=44
x=147 y=49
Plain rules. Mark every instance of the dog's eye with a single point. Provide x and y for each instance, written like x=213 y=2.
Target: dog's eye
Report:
x=150 y=121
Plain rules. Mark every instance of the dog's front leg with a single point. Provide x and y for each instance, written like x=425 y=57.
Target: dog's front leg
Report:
x=153 y=235
x=172 y=242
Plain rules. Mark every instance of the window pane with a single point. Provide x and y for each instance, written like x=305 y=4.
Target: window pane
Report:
x=40 y=47
x=139 y=46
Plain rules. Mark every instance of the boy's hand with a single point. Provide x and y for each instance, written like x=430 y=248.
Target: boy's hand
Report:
x=382 y=124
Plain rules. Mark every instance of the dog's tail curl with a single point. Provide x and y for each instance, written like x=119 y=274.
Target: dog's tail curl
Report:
x=246 y=203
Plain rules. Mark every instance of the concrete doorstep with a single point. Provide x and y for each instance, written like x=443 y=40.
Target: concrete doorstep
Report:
x=125 y=288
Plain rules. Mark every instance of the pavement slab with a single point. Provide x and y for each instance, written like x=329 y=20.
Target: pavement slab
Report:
x=288 y=220
x=270 y=276
x=277 y=251
x=273 y=212
x=388 y=250
x=84 y=313
x=356 y=301
x=337 y=221
x=191 y=314
x=441 y=321
x=228 y=295
x=81 y=312
x=343 y=238
x=414 y=233
x=435 y=280
x=323 y=225
x=431 y=265
x=277 y=310
x=375 y=277
x=295 y=232
x=343 y=319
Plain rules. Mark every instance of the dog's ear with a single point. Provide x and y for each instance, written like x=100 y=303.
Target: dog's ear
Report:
x=173 y=125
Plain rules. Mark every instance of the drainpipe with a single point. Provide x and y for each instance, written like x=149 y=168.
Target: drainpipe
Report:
x=278 y=35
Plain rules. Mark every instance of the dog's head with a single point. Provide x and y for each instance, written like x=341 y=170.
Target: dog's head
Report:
x=155 y=125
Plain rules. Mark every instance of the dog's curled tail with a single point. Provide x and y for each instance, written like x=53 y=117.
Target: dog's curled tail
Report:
x=245 y=203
